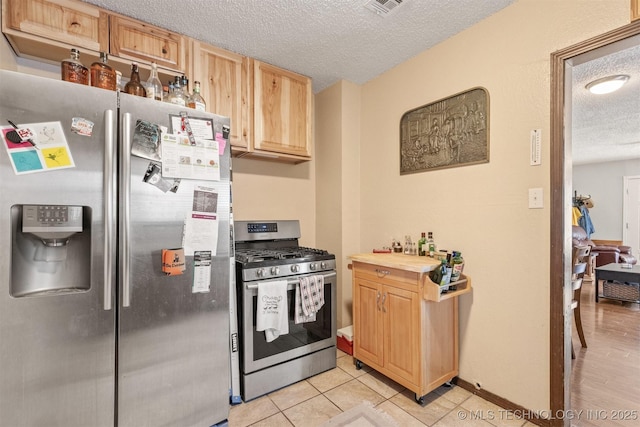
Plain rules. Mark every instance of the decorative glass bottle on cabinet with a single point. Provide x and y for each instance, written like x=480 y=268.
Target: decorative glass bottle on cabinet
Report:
x=72 y=69
x=102 y=74
x=154 y=86
x=133 y=86
x=196 y=101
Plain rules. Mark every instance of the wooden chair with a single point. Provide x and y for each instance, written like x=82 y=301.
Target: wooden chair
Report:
x=580 y=259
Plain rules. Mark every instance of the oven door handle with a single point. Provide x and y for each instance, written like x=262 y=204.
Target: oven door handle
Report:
x=290 y=284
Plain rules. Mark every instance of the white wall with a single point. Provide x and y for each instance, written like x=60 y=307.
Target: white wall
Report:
x=604 y=183
x=338 y=186
x=270 y=190
x=482 y=209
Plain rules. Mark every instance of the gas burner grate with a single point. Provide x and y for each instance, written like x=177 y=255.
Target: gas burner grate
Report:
x=260 y=255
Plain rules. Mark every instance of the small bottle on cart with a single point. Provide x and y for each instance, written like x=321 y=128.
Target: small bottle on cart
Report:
x=457 y=263
x=422 y=245
x=431 y=244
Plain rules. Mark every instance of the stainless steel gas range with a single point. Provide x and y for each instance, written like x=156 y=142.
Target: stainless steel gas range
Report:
x=268 y=251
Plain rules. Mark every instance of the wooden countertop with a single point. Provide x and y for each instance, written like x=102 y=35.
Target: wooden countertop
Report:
x=418 y=264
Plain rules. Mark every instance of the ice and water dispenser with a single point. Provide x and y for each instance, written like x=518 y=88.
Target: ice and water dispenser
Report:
x=51 y=249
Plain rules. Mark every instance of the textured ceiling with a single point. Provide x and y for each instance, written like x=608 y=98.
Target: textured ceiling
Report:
x=327 y=40
x=607 y=127
x=342 y=40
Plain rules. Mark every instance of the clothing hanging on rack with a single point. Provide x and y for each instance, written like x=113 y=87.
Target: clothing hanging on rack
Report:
x=575 y=214
x=585 y=221
x=580 y=213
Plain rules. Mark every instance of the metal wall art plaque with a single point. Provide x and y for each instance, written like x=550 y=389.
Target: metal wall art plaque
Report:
x=447 y=133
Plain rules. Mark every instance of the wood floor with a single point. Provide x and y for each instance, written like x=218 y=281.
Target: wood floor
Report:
x=605 y=378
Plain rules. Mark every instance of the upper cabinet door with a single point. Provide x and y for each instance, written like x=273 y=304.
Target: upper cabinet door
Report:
x=225 y=87
x=78 y=24
x=136 y=40
x=283 y=105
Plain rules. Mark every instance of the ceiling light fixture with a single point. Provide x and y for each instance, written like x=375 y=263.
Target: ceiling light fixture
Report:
x=607 y=84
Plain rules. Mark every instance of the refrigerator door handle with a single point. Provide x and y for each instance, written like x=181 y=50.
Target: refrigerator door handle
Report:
x=125 y=194
x=109 y=206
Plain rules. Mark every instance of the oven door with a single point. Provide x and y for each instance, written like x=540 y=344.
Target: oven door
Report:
x=303 y=338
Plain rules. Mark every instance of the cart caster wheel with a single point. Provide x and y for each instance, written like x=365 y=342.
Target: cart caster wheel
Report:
x=419 y=399
x=358 y=365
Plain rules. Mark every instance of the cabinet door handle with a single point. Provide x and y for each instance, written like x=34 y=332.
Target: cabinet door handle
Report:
x=378 y=300
x=382 y=273
x=384 y=298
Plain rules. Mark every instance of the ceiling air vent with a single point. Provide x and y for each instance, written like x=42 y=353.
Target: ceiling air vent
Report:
x=382 y=7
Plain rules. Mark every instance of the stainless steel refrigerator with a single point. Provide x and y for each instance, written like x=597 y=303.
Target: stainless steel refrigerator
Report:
x=92 y=331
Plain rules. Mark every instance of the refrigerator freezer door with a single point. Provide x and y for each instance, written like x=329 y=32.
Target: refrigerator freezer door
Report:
x=57 y=354
x=173 y=352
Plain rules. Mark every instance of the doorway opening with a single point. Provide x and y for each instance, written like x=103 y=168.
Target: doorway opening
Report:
x=561 y=194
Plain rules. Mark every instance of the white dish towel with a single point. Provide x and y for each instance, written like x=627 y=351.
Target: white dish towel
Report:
x=272 y=315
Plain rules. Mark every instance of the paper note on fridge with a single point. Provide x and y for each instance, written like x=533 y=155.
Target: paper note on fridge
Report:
x=180 y=159
x=201 y=224
x=201 y=271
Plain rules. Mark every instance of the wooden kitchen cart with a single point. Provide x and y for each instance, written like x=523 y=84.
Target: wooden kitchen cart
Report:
x=404 y=327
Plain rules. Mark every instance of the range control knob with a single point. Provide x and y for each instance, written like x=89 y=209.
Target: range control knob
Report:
x=275 y=271
x=295 y=268
x=313 y=266
x=323 y=265
x=260 y=272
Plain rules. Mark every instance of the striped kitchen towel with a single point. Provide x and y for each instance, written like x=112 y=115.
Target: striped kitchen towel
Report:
x=298 y=313
x=311 y=293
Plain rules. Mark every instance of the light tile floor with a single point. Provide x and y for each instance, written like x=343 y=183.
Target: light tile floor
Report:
x=315 y=400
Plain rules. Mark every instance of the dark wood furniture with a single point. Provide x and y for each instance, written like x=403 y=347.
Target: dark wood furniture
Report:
x=579 y=261
x=622 y=275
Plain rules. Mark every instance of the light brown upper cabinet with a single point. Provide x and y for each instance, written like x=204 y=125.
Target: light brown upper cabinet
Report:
x=61 y=23
x=47 y=29
x=138 y=41
x=283 y=114
x=270 y=108
x=224 y=85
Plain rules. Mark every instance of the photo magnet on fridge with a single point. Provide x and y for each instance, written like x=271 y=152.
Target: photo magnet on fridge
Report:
x=146 y=140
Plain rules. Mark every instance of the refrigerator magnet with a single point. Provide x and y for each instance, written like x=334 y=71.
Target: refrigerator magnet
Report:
x=81 y=126
x=173 y=261
x=146 y=140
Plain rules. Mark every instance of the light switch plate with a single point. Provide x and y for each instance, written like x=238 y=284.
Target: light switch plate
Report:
x=535 y=198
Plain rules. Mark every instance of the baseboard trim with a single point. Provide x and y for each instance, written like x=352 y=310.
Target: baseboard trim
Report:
x=518 y=410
